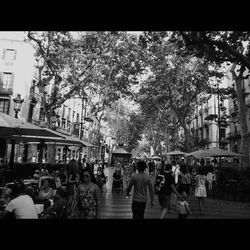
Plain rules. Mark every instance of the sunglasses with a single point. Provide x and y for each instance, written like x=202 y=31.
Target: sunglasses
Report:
x=86 y=175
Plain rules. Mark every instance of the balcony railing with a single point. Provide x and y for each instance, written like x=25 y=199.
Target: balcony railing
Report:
x=210 y=116
x=6 y=91
x=233 y=135
x=64 y=131
x=34 y=97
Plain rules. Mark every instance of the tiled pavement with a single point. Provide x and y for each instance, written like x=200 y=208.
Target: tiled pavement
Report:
x=116 y=206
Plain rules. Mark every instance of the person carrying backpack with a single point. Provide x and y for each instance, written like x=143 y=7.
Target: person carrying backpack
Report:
x=164 y=186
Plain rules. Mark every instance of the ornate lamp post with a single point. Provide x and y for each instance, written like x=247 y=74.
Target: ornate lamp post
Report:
x=17 y=104
x=17 y=107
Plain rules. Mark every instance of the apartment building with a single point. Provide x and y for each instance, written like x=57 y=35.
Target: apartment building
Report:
x=208 y=118
x=234 y=135
x=16 y=74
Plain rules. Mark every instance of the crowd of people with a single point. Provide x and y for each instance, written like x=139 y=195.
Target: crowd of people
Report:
x=173 y=183
x=74 y=192
x=69 y=193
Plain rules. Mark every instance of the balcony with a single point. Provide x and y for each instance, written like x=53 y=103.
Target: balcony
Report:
x=223 y=124
x=210 y=117
x=6 y=91
x=224 y=140
x=206 y=124
x=233 y=111
x=63 y=131
x=233 y=135
x=34 y=97
x=35 y=122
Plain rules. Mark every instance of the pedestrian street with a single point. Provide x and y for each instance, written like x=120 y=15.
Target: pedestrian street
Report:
x=116 y=206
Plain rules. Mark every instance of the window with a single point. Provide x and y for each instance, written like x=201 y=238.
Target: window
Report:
x=9 y=55
x=7 y=80
x=4 y=105
x=235 y=130
x=41 y=115
x=63 y=124
x=68 y=116
x=223 y=133
x=68 y=125
x=77 y=117
x=63 y=111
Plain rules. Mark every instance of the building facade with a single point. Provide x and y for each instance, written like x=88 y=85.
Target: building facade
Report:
x=209 y=126
x=234 y=135
x=16 y=74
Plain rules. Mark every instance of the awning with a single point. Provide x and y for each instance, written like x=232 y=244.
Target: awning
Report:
x=214 y=152
x=176 y=152
x=13 y=128
x=120 y=151
x=70 y=140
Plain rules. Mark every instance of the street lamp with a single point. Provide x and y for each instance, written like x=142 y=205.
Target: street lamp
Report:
x=84 y=103
x=17 y=104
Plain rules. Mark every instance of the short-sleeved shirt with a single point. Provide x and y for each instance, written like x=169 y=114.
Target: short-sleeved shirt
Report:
x=176 y=172
x=200 y=180
x=141 y=181
x=23 y=207
x=151 y=166
x=168 y=181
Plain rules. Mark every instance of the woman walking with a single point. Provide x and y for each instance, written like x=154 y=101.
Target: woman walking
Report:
x=184 y=181
x=165 y=185
x=200 y=189
x=87 y=201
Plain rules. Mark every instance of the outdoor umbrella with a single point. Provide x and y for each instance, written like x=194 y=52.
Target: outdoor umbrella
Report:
x=196 y=154
x=13 y=128
x=155 y=157
x=214 y=152
x=176 y=152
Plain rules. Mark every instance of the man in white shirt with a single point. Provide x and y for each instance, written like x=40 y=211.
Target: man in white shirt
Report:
x=175 y=171
x=22 y=205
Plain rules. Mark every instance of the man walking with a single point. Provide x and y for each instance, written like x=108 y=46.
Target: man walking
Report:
x=140 y=182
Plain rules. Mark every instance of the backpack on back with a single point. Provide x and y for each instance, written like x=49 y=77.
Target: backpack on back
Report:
x=159 y=183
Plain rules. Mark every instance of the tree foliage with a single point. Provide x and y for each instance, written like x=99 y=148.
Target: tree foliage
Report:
x=220 y=47
x=176 y=82
x=217 y=46
x=63 y=66
x=126 y=125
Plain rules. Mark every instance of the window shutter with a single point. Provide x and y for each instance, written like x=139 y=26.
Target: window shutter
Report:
x=12 y=80
x=14 y=58
x=1 y=78
x=4 y=51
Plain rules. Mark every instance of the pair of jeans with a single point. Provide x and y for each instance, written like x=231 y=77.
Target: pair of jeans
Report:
x=138 y=209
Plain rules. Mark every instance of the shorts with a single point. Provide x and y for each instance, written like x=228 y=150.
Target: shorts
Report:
x=164 y=200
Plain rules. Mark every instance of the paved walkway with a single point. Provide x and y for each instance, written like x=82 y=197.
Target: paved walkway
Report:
x=116 y=206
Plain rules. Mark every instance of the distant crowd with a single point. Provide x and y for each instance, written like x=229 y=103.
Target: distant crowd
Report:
x=74 y=192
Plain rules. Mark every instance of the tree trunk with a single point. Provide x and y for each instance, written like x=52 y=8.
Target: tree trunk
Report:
x=245 y=142
x=188 y=142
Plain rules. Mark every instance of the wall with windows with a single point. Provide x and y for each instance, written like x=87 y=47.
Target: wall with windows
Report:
x=16 y=73
x=235 y=129
x=203 y=125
